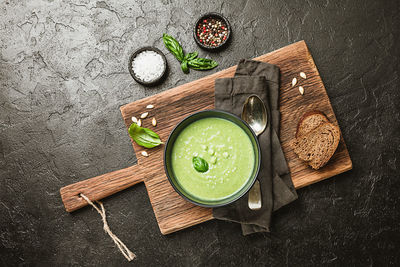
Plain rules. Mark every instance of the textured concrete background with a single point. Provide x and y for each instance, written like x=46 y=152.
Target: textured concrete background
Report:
x=63 y=76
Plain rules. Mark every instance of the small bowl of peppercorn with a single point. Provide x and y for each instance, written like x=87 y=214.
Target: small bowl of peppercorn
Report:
x=212 y=31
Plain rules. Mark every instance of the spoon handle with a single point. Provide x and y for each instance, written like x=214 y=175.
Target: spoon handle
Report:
x=254 y=201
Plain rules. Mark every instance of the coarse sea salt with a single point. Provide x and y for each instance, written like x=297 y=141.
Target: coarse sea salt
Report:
x=148 y=66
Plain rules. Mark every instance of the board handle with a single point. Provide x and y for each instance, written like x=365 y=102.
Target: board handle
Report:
x=100 y=186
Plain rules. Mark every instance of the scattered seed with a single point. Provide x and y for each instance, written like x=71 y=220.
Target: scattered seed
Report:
x=303 y=75
x=211 y=151
x=301 y=90
x=144 y=115
x=144 y=153
x=225 y=154
x=134 y=119
x=204 y=147
x=149 y=106
x=139 y=122
x=213 y=160
x=154 y=122
x=294 y=81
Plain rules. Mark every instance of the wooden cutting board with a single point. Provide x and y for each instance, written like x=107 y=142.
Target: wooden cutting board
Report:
x=173 y=212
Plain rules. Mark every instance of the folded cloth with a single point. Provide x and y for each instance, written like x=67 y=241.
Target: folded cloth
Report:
x=261 y=79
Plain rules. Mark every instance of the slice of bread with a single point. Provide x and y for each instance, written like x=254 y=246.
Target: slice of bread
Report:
x=309 y=121
x=316 y=139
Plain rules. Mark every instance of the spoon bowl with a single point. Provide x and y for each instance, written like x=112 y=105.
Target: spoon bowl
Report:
x=255 y=114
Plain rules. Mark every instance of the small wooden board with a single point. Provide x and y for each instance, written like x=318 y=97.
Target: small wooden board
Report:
x=173 y=212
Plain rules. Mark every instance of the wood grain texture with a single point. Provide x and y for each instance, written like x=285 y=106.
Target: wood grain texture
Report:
x=100 y=186
x=173 y=212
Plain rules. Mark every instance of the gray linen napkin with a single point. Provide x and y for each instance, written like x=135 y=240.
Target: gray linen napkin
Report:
x=261 y=79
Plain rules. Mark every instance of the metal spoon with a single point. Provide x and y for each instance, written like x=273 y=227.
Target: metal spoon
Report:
x=255 y=114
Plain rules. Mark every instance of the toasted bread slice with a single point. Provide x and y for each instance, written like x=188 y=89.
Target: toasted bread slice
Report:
x=317 y=146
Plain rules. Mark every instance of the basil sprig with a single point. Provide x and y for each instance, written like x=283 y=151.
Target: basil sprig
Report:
x=143 y=136
x=199 y=164
x=190 y=60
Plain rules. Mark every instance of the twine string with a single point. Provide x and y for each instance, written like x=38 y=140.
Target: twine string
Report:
x=129 y=255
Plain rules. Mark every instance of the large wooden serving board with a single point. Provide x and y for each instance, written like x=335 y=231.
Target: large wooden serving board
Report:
x=173 y=212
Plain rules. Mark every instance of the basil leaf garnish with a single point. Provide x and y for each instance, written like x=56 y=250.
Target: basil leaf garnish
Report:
x=173 y=46
x=202 y=64
x=199 y=164
x=184 y=66
x=143 y=136
x=191 y=56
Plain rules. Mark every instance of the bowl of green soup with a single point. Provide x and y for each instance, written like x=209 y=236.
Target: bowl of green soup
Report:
x=212 y=158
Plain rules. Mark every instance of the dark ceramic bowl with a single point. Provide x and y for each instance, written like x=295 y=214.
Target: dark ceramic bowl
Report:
x=175 y=133
x=157 y=80
x=217 y=16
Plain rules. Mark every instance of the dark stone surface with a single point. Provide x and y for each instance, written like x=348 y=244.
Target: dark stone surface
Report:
x=63 y=76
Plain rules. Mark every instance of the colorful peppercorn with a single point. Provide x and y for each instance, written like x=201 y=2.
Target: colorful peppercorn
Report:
x=212 y=32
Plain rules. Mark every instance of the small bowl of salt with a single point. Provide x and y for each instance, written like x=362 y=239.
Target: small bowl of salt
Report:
x=148 y=66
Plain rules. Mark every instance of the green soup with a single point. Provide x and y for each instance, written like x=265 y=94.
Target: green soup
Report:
x=226 y=148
